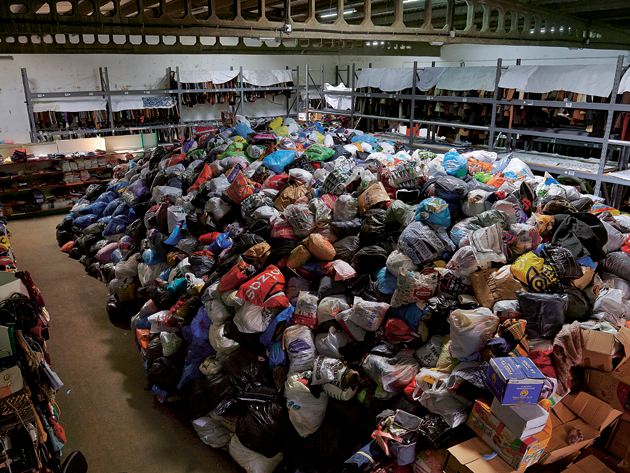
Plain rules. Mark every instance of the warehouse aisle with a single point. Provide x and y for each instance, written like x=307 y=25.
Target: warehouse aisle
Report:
x=106 y=412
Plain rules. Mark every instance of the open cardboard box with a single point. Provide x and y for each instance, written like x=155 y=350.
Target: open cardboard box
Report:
x=577 y=411
x=608 y=388
x=619 y=440
x=467 y=457
x=589 y=464
x=9 y=284
x=599 y=349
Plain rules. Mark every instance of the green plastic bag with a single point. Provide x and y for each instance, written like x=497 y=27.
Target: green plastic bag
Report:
x=319 y=153
x=483 y=176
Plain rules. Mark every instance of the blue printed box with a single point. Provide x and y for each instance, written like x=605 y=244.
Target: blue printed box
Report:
x=514 y=380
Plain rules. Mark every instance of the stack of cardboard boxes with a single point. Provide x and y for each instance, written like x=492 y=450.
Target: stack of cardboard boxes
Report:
x=515 y=432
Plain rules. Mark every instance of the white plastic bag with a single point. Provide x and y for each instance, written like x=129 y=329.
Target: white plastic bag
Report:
x=327 y=370
x=212 y=432
x=331 y=305
x=328 y=344
x=170 y=343
x=610 y=306
x=252 y=318
x=306 y=412
x=217 y=312
x=471 y=330
x=368 y=315
x=396 y=260
x=219 y=341
x=393 y=374
x=300 y=347
x=429 y=353
x=346 y=208
x=487 y=244
x=251 y=461
x=440 y=401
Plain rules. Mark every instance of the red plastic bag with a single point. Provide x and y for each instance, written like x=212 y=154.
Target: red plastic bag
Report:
x=240 y=189
x=236 y=276
x=265 y=290
x=206 y=173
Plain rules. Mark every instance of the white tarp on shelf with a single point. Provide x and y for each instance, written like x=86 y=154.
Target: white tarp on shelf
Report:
x=386 y=79
x=516 y=77
x=221 y=77
x=196 y=76
x=127 y=103
x=624 y=85
x=468 y=78
x=429 y=77
x=589 y=79
x=74 y=105
x=268 y=78
x=338 y=102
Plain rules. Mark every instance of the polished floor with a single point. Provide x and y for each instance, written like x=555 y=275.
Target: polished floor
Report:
x=105 y=410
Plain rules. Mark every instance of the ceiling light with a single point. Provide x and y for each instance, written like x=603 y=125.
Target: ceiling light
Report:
x=410 y=1
x=330 y=15
x=436 y=43
x=382 y=42
x=375 y=43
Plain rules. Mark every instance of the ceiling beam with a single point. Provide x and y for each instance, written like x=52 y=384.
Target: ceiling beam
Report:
x=583 y=6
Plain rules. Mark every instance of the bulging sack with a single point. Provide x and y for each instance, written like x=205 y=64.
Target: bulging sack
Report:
x=471 y=330
x=306 y=411
x=300 y=346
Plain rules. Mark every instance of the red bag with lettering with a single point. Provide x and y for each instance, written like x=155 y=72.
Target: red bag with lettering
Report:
x=266 y=289
x=206 y=173
x=237 y=275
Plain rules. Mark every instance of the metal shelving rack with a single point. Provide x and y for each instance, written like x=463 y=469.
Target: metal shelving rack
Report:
x=107 y=93
x=561 y=165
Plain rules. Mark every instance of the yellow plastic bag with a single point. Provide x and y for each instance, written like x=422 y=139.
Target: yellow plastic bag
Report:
x=532 y=271
x=276 y=123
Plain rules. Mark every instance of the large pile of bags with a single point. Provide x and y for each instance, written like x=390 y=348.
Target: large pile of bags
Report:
x=302 y=290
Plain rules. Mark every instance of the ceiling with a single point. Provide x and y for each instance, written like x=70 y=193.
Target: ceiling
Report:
x=330 y=25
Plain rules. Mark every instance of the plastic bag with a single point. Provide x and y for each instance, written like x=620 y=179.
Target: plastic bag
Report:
x=346 y=208
x=368 y=315
x=393 y=374
x=413 y=286
x=611 y=306
x=526 y=238
x=328 y=344
x=396 y=260
x=327 y=370
x=306 y=411
x=251 y=461
x=300 y=346
x=420 y=243
x=471 y=330
x=212 y=432
x=532 y=271
x=438 y=400
x=455 y=164
x=544 y=313
x=487 y=245
x=306 y=309
x=301 y=219
x=434 y=210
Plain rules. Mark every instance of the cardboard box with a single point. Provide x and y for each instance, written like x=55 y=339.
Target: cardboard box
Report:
x=589 y=464
x=429 y=461
x=467 y=457
x=606 y=387
x=518 y=453
x=577 y=411
x=599 y=349
x=523 y=420
x=515 y=380
x=619 y=440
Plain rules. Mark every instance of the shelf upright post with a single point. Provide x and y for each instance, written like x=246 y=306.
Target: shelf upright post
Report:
x=242 y=104
x=106 y=89
x=412 y=135
x=297 y=89
x=495 y=99
x=29 y=106
x=353 y=97
x=288 y=98
x=179 y=98
x=370 y=121
x=609 y=123
x=323 y=99
x=306 y=101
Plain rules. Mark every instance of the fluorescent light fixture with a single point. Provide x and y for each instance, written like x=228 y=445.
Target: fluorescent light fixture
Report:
x=375 y=43
x=330 y=15
x=410 y=1
x=382 y=42
x=436 y=43
x=266 y=39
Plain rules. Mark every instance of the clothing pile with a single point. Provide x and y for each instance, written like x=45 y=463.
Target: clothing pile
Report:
x=302 y=290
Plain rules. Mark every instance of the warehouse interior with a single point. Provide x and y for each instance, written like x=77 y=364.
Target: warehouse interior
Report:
x=438 y=191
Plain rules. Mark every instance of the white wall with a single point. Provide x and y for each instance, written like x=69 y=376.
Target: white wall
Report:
x=58 y=72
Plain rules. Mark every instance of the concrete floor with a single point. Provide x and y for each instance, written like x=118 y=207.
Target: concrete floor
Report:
x=105 y=410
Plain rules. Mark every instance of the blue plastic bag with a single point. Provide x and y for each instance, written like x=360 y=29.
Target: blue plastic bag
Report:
x=455 y=164
x=369 y=139
x=107 y=197
x=220 y=243
x=434 y=210
x=266 y=338
x=84 y=221
x=178 y=286
x=118 y=224
x=97 y=208
x=116 y=256
x=278 y=160
x=175 y=237
x=242 y=130
x=151 y=257
x=277 y=356
x=386 y=281
x=165 y=274
x=201 y=324
x=112 y=206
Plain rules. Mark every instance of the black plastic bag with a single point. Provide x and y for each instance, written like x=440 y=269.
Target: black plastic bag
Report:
x=301 y=163
x=63 y=237
x=544 y=313
x=328 y=286
x=264 y=427
x=373 y=229
x=136 y=230
x=365 y=288
x=280 y=247
x=435 y=319
x=347 y=228
x=94 y=190
x=347 y=248
x=196 y=228
x=165 y=374
x=201 y=264
x=579 y=307
x=617 y=263
x=583 y=234
x=245 y=370
x=121 y=312
x=369 y=259
x=562 y=261
x=75 y=253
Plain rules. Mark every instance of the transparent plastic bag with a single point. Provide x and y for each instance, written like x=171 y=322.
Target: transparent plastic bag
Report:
x=471 y=330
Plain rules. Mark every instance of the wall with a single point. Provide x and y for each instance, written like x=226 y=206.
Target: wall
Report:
x=80 y=72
